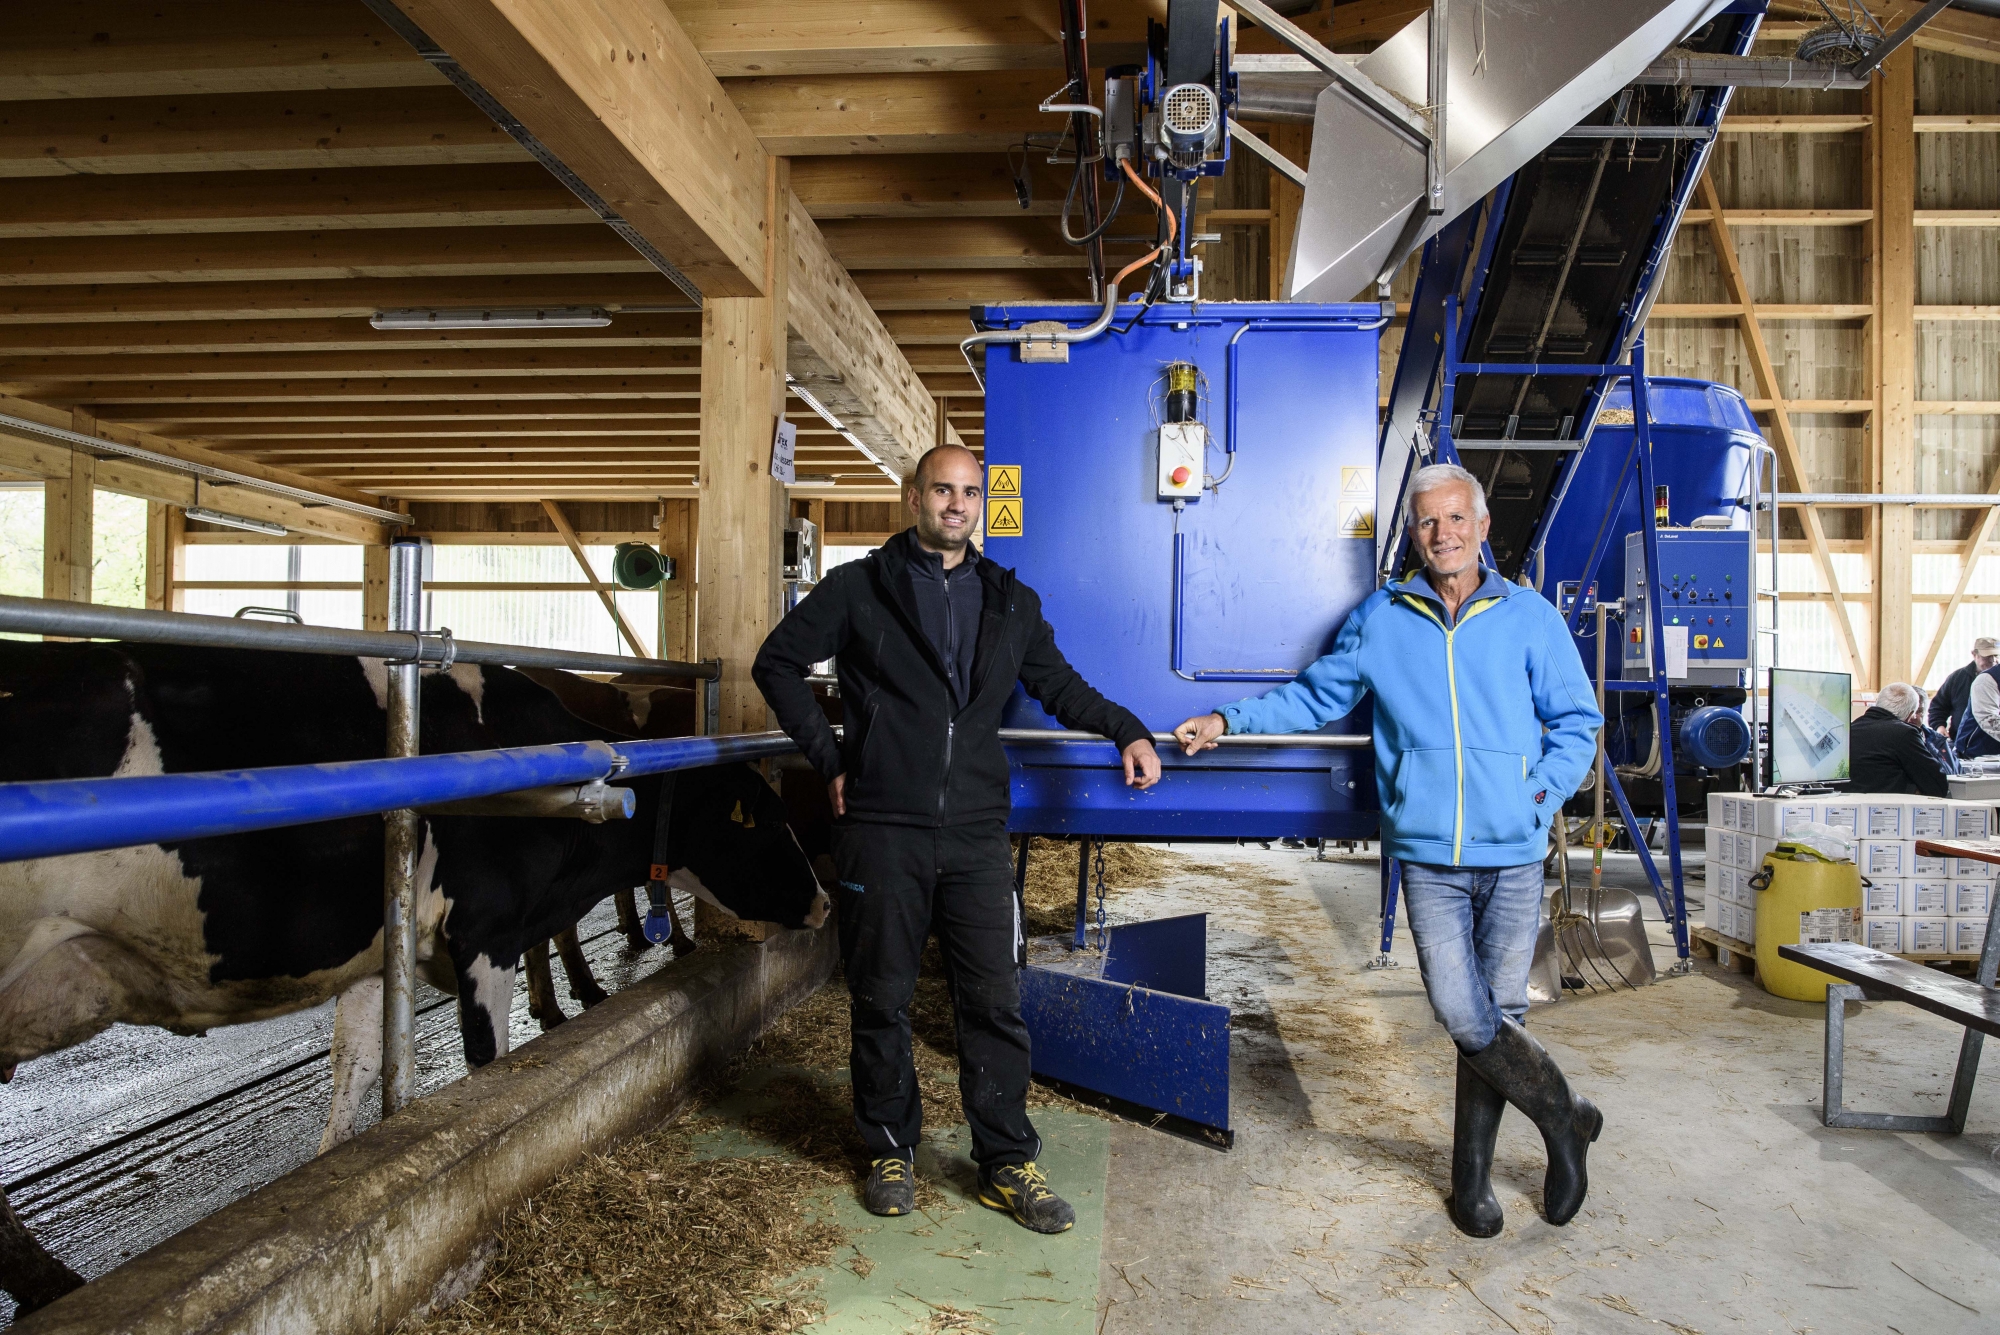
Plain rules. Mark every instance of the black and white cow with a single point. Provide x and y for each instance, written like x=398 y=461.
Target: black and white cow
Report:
x=209 y=932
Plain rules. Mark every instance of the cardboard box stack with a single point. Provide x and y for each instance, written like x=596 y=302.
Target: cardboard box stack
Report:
x=1911 y=905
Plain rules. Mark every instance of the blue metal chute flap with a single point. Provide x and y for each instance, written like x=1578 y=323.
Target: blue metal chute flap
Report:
x=1165 y=954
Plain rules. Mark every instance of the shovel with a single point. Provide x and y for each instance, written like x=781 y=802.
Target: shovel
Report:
x=1605 y=944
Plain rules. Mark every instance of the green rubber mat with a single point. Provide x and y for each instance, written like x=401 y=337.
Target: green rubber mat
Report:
x=959 y=1266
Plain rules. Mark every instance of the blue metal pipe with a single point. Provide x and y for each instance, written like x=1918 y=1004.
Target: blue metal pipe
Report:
x=672 y=753
x=42 y=820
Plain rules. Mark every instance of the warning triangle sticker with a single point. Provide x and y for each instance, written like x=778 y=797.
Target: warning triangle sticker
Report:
x=1357 y=523
x=1356 y=481
x=1003 y=518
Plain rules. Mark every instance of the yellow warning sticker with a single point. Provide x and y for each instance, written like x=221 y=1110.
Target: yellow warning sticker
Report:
x=1003 y=479
x=1003 y=517
x=1357 y=481
x=1356 y=522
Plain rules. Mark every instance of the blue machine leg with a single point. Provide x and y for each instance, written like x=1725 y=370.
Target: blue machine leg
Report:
x=1392 y=881
x=1639 y=842
x=1642 y=437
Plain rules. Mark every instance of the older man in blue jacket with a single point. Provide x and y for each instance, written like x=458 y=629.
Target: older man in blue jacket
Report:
x=1484 y=725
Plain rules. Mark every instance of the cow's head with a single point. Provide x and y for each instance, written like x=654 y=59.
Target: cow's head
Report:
x=730 y=845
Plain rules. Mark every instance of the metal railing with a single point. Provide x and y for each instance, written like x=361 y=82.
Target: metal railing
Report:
x=86 y=814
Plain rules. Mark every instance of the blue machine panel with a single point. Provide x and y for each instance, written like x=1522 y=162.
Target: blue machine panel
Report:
x=1241 y=589
x=1703 y=586
x=1117 y=1022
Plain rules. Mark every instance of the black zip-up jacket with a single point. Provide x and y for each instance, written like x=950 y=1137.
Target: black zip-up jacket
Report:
x=911 y=756
x=1887 y=755
x=1953 y=695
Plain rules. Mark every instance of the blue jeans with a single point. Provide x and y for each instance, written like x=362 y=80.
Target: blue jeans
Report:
x=1475 y=931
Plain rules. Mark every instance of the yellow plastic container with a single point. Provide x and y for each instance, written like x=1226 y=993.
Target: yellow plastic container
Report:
x=1801 y=895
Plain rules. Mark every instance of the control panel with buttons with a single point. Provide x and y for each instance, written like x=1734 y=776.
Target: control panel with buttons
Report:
x=1703 y=584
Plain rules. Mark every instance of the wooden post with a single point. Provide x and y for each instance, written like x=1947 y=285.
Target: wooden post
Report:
x=166 y=529
x=69 y=527
x=1895 y=423
x=679 y=595
x=1295 y=142
x=375 y=587
x=742 y=509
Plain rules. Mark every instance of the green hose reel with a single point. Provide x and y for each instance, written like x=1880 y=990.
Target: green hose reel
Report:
x=639 y=565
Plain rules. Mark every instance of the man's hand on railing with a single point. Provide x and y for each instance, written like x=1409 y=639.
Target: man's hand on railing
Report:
x=1199 y=733
x=1142 y=765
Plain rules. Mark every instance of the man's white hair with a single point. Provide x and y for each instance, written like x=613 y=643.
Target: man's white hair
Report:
x=1900 y=698
x=1433 y=476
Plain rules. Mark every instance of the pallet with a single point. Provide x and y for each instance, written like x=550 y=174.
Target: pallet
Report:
x=1741 y=957
x=1727 y=951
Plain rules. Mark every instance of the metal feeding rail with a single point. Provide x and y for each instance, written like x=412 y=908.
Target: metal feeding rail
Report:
x=46 y=820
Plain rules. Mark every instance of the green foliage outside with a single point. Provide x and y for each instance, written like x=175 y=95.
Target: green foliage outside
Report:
x=118 y=574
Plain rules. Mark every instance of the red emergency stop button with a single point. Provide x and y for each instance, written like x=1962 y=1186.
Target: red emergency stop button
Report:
x=1181 y=475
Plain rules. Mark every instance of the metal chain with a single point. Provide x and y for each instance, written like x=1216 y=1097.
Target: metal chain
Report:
x=1101 y=935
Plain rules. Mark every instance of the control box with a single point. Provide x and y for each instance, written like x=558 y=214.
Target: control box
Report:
x=1707 y=600
x=1183 y=454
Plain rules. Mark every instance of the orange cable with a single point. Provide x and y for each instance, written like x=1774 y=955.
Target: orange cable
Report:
x=1172 y=225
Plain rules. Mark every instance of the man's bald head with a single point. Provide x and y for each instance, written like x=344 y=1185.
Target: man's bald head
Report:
x=937 y=455
x=943 y=498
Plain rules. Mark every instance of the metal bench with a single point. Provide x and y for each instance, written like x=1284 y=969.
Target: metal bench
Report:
x=1873 y=976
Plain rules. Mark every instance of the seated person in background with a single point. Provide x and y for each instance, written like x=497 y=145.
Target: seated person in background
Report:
x=1886 y=746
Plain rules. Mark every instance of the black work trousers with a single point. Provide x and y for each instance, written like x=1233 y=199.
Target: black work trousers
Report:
x=898 y=883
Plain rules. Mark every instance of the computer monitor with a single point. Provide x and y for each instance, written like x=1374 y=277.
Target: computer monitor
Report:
x=1810 y=712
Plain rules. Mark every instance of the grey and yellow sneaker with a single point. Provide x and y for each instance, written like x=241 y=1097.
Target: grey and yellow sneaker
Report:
x=1022 y=1191
x=891 y=1188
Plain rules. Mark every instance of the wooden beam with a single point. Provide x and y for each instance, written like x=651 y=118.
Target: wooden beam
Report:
x=894 y=113
x=249 y=132
x=620 y=95
x=894 y=36
x=742 y=506
x=927 y=185
x=1895 y=265
x=839 y=350
x=185 y=419
x=161 y=545
x=46 y=415
x=1729 y=310
x=949 y=243
x=388 y=362
x=954 y=290
x=1794 y=123
x=131 y=48
x=1783 y=217
x=1955 y=32
x=479 y=195
x=561 y=521
x=1767 y=383
x=427 y=252
x=101 y=339
x=420 y=389
x=294 y=299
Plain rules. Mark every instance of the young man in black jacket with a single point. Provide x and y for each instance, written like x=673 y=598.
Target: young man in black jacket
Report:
x=1955 y=692
x=929 y=638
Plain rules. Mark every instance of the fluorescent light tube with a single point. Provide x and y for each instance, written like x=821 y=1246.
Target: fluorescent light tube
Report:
x=518 y=317
x=208 y=516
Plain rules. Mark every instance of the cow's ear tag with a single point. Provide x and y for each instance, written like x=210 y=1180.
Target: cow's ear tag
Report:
x=737 y=815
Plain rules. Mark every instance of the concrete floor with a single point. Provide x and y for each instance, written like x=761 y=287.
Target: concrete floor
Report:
x=1718 y=1201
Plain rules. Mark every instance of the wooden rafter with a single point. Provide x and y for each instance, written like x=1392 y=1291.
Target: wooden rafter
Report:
x=570 y=540
x=1781 y=421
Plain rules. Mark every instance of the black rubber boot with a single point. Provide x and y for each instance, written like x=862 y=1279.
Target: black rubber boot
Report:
x=1474 y=1130
x=1521 y=1069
